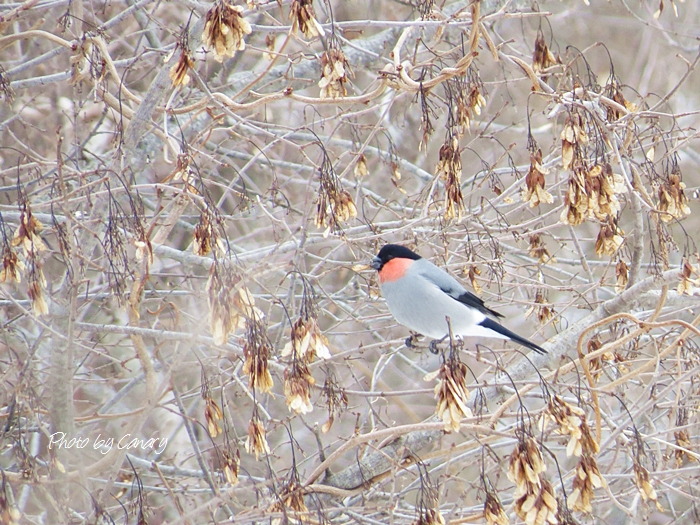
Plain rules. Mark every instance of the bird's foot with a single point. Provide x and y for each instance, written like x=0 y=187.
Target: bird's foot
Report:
x=433 y=347
x=411 y=341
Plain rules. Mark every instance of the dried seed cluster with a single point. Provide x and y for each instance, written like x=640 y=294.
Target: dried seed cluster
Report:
x=469 y=101
x=12 y=267
x=230 y=302
x=206 y=236
x=646 y=489
x=256 y=442
x=610 y=238
x=231 y=465
x=307 y=341
x=225 y=30
x=256 y=351
x=179 y=73
x=687 y=284
x=451 y=393
x=538 y=250
x=335 y=205
x=681 y=454
x=534 y=192
x=303 y=19
x=672 y=200
x=449 y=167
x=290 y=502
x=336 y=401
x=622 y=274
x=542 y=308
x=429 y=517
x=571 y=421
x=592 y=194
x=298 y=382
x=334 y=71
x=212 y=415
x=542 y=57
x=493 y=511
x=27 y=235
x=535 y=503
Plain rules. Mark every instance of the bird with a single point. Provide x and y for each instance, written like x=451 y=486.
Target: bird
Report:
x=421 y=296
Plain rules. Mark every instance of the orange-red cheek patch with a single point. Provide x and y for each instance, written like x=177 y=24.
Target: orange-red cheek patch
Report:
x=394 y=269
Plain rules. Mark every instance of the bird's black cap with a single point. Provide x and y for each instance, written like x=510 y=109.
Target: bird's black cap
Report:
x=392 y=251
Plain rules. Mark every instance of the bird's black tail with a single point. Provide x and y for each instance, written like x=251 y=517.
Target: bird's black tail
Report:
x=493 y=325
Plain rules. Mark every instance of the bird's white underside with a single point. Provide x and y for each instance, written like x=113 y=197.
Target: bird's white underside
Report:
x=423 y=308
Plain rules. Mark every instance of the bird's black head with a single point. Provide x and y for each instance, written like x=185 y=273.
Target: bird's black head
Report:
x=392 y=251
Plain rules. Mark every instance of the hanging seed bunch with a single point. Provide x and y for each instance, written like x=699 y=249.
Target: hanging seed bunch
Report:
x=230 y=301
x=12 y=267
x=334 y=71
x=449 y=167
x=688 y=284
x=465 y=99
x=534 y=192
x=494 y=513
x=231 y=463
x=542 y=57
x=538 y=250
x=179 y=73
x=592 y=194
x=256 y=442
x=298 y=382
x=290 y=501
x=27 y=235
x=571 y=421
x=225 y=30
x=542 y=308
x=451 y=392
x=212 y=412
x=186 y=171
x=336 y=400
x=610 y=238
x=306 y=343
x=613 y=90
x=684 y=444
x=574 y=139
x=535 y=503
x=303 y=19
x=334 y=205
x=428 y=505
x=622 y=275
x=672 y=201
x=256 y=351
x=645 y=487
x=207 y=235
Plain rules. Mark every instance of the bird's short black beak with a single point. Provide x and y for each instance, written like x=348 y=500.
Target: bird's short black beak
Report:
x=376 y=263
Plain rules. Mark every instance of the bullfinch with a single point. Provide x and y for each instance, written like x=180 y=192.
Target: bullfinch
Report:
x=420 y=296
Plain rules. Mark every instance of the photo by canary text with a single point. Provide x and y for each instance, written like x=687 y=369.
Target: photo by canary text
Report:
x=59 y=440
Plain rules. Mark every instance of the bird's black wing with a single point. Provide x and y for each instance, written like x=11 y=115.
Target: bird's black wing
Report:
x=453 y=288
x=473 y=301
